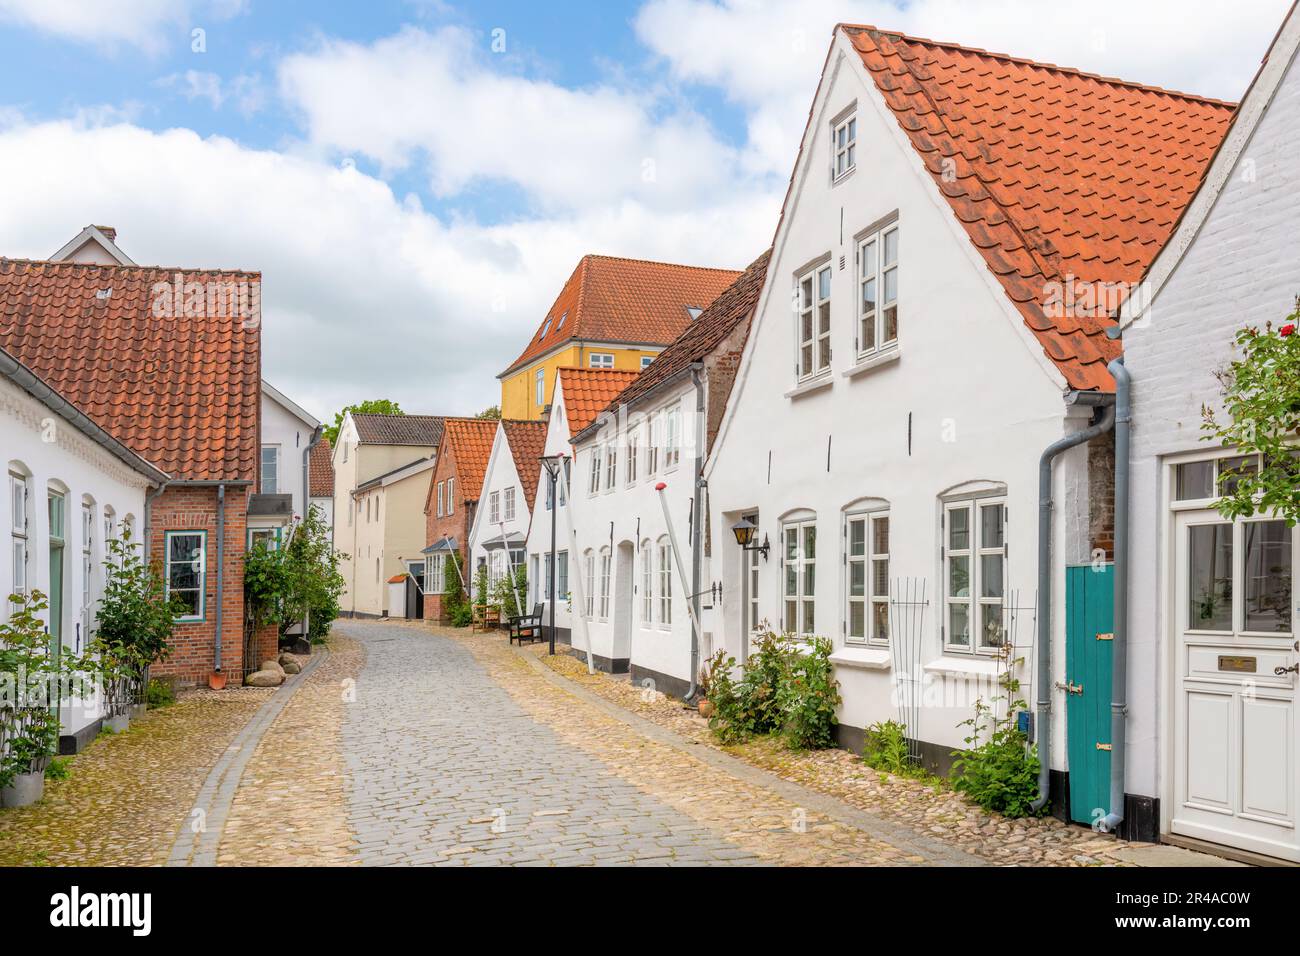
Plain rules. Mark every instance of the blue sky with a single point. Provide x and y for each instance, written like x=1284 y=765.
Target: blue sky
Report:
x=416 y=196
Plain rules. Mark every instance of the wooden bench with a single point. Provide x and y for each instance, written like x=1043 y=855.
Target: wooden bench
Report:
x=527 y=627
x=485 y=618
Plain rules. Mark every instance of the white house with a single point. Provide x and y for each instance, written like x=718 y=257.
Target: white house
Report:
x=71 y=487
x=1212 y=711
x=578 y=396
x=656 y=433
x=498 y=535
x=289 y=436
x=926 y=333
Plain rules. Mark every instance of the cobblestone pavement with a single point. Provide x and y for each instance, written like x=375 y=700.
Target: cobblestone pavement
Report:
x=459 y=751
x=129 y=794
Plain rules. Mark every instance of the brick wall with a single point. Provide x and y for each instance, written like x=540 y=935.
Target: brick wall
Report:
x=1101 y=493
x=185 y=508
x=455 y=525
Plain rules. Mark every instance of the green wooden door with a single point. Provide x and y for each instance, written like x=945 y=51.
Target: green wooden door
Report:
x=1089 y=626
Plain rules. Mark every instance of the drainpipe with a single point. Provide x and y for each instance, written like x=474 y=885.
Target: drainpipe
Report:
x=697 y=526
x=147 y=536
x=681 y=576
x=1119 y=648
x=306 y=468
x=1044 y=720
x=221 y=569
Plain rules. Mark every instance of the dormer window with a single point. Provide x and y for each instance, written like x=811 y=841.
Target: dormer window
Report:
x=694 y=312
x=844 y=139
x=560 y=324
x=546 y=327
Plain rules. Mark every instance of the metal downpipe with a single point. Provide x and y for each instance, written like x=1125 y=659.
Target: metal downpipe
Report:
x=221 y=571
x=697 y=529
x=1043 y=722
x=1119 y=649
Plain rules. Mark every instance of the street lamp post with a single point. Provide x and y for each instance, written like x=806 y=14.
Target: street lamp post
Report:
x=552 y=463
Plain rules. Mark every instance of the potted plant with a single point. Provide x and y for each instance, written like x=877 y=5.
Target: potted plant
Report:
x=707 y=671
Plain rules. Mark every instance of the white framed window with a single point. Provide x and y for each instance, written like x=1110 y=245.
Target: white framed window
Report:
x=509 y=497
x=752 y=558
x=814 y=302
x=589 y=585
x=539 y=387
x=604 y=583
x=652 y=446
x=435 y=573
x=645 y=361
x=844 y=142
x=878 y=291
x=799 y=571
x=451 y=496
x=185 y=570
x=442 y=492
x=494 y=507
x=18 y=531
x=110 y=528
x=672 y=437
x=562 y=575
x=593 y=478
x=665 y=574
x=633 y=453
x=647 y=585
x=611 y=466
x=270 y=469
x=601 y=360
x=975 y=559
x=867 y=561
x=269 y=538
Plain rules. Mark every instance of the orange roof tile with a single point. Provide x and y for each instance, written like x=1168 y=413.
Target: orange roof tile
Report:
x=183 y=392
x=321 y=470
x=527 y=441
x=608 y=299
x=470 y=441
x=588 y=390
x=1052 y=172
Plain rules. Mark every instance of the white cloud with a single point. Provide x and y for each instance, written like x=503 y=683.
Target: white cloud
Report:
x=366 y=294
x=766 y=55
x=143 y=24
x=441 y=98
x=245 y=91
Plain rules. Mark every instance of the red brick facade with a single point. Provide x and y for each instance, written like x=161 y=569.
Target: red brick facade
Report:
x=189 y=508
x=455 y=525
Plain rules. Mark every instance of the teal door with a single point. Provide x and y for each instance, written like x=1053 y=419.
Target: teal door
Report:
x=1089 y=627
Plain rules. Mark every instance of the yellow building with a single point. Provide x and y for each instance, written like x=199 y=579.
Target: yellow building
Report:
x=612 y=313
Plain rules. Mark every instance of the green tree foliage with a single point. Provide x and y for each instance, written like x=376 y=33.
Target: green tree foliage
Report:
x=492 y=412
x=372 y=406
x=284 y=585
x=1261 y=396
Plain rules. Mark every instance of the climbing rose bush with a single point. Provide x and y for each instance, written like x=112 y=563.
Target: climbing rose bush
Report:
x=1261 y=417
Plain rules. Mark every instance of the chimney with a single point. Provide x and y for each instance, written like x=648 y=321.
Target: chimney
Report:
x=109 y=233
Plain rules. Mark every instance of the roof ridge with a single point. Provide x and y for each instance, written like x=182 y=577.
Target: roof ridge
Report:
x=658 y=262
x=1042 y=64
x=118 y=267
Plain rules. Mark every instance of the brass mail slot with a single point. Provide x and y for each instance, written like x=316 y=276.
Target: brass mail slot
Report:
x=1105 y=637
x=1242 y=665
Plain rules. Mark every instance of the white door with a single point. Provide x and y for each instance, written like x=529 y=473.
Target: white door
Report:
x=1235 y=742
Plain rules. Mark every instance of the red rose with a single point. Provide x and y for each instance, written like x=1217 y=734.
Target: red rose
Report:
x=1286 y=329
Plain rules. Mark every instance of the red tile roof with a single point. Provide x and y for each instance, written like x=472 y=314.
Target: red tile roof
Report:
x=625 y=300
x=734 y=307
x=587 y=392
x=527 y=441
x=470 y=441
x=1052 y=172
x=398 y=429
x=184 y=392
x=320 y=477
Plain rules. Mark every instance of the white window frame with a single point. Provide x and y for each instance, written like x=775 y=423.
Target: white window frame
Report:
x=451 y=496
x=974 y=552
x=874 y=271
x=844 y=142
x=633 y=454
x=810 y=304
x=509 y=498
x=494 y=507
x=435 y=571
x=274 y=470
x=672 y=437
x=645 y=361
x=20 y=525
x=589 y=584
x=87 y=570
x=605 y=562
x=611 y=466
x=593 y=478
x=600 y=360
x=202 y=569
x=872 y=595
x=647 y=585
x=664 y=571
x=539 y=387
x=562 y=575
x=652 y=446
x=804 y=598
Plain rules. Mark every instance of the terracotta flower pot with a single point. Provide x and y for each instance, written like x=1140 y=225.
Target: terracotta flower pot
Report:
x=217 y=680
x=705 y=708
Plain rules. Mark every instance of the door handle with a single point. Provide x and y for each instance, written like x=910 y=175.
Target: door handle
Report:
x=1282 y=671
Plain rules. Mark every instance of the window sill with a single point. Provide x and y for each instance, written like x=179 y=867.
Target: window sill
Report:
x=871 y=363
x=862 y=657
x=844 y=176
x=823 y=380
x=954 y=666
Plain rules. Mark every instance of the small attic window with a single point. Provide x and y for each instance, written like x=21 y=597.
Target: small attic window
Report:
x=560 y=324
x=546 y=327
x=844 y=142
x=694 y=312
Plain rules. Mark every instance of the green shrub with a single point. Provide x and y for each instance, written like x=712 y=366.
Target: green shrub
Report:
x=886 y=748
x=807 y=698
x=159 y=694
x=1000 y=774
x=59 y=768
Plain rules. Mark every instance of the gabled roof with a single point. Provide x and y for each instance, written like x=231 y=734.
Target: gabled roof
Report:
x=103 y=238
x=633 y=301
x=527 y=442
x=470 y=442
x=733 y=308
x=181 y=392
x=1052 y=172
x=400 y=473
x=289 y=405
x=320 y=470
x=587 y=392
x=398 y=429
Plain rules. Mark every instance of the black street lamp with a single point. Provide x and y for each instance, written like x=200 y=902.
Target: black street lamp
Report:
x=553 y=464
x=744 y=530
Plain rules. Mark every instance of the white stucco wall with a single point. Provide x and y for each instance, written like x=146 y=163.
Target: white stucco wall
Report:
x=1242 y=268
x=52 y=454
x=539 y=532
x=290 y=435
x=971 y=399
x=501 y=475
